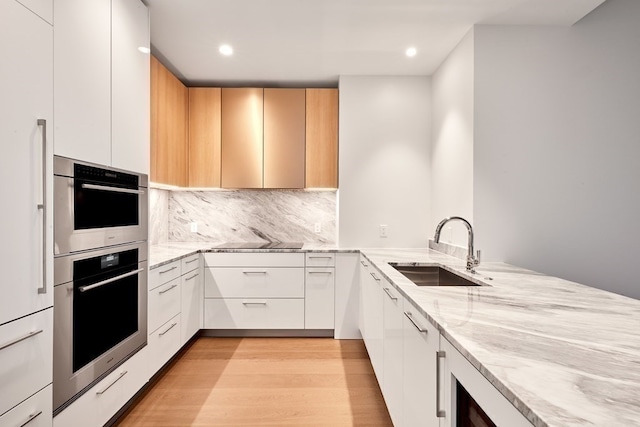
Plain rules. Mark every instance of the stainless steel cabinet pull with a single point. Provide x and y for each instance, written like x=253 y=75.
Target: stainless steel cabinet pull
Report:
x=440 y=413
x=168 y=270
x=388 y=292
x=320 y=257
x=122 y=374
x=43 y=207
x=168 y=329
x=254 y=302
x=168 y=289
x=113 y=279
x=31 y=418
x=412 y=320
x=17 y=340
x=364 y=263
x=113 y=189
x=190 y=261
x=254 y=272
x=192 y=277
x=320 y=272
x=375 y=277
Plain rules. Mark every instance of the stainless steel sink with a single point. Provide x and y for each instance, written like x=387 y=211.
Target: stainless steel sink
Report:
x=432 y=276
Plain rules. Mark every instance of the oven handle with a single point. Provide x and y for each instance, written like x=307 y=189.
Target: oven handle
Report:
x=113 y=279
x=114 y=189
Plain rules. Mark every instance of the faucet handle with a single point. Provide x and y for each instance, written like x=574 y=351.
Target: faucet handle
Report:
x=478 y=257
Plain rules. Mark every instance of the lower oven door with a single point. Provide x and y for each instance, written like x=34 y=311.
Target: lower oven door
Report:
x=100 y=316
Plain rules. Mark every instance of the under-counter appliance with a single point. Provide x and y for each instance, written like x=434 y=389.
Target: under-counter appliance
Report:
x=97 y=206
x=100 y=315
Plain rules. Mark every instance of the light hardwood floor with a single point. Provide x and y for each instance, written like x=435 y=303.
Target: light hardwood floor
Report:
x=264 y=382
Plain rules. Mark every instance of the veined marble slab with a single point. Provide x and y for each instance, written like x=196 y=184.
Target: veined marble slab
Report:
x=564 y=354
x=158 y=216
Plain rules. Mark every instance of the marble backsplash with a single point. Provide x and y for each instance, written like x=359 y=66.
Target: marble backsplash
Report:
x=243 y=216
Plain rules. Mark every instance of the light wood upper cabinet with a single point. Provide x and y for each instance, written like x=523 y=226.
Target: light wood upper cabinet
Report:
x=204 y=137
x=242 y=127
x=284 y=138
x=169 y=108
x=322 y=138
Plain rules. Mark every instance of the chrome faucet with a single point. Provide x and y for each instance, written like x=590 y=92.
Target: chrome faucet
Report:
x=472 y=261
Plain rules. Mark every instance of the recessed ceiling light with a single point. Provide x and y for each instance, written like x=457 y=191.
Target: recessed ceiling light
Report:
x=144 y=49
x=226 y=50
x=411 y=52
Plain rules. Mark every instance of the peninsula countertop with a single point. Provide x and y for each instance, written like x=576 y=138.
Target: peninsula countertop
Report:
x=564 y=354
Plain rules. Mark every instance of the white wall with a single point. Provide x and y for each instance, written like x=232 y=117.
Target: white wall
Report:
x=384 y=165
x=452 y=142
x=557 y=147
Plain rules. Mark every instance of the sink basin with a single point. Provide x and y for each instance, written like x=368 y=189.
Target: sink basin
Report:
x=432 y=276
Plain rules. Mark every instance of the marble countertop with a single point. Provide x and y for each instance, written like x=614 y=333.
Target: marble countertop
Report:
x=564 y=354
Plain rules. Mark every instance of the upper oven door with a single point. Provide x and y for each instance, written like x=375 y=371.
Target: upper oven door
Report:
x=97 y=206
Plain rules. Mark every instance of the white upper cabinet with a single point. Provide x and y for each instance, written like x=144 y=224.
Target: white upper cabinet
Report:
x=101 y=84
x=130 y=85
x=26 y=82
x=82 y=79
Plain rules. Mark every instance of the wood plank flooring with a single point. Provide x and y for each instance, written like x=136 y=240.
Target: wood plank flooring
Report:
x=264 y=382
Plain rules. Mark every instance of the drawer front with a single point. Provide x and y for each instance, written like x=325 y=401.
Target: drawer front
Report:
x=164 y=303
x=191 y=304
x=254 y=282
x=163 y=274
x=33 y=412
x=319 y=311
x=190 y=263
x=26 y=358
x=320 y=260
x=418 y=320
x=254 y=259
x=254 y=313
x=163 y=344
x=103 y=400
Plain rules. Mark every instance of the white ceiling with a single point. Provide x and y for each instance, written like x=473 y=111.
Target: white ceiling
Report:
x=312 y=42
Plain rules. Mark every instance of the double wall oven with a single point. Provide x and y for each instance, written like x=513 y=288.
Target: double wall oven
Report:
x=100 y=273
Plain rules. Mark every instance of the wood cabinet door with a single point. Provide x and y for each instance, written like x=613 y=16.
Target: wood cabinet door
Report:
x=284 y=138
x=204 y=137
x=242 y=128
x=169 y=107
x=321 y=138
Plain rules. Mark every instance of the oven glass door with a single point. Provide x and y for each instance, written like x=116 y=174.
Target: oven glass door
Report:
x=105 y=304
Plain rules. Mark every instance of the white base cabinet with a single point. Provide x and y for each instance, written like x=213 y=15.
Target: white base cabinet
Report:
x=392 y=352
x=164 y=343
x=347 y=296
x=372 y=326
x=319 y=291
x=37 y=411
x=192 y=301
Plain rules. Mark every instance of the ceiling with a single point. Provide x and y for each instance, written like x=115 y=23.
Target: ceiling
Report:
x=312 y=42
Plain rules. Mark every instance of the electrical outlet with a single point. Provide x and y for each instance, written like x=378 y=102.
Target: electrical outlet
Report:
x=317 y=227
x=383 y=230
x=194 y=227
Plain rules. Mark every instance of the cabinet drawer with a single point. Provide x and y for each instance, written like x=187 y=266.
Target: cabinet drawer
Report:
x=190 y=263
x=26 y=357
x=254 y=313
x=254 y=259
x=319 y=312
x=164 y=274
x=164 y=303
x=33 y=412
x=191 y=304
x=419 y=322
x=103 y=400
x=163 y=344
x=320 y=260
x=254 y=283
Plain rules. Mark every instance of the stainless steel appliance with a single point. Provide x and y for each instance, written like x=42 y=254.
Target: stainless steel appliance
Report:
x=97 y=206
x=100 y=315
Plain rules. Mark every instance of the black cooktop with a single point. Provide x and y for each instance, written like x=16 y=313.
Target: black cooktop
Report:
x=261 y=245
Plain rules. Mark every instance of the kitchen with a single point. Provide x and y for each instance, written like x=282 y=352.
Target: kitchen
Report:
x=487 y=138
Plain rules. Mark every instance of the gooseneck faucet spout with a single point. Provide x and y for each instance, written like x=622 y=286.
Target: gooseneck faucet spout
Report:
x=472 y=261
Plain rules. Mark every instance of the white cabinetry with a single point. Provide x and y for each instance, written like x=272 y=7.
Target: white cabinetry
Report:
x=102 y=82
x=26 y=256
x=392 y=352
x=347 y=296
x=457 y=369
x=102 y=401
x=319 y=291
x=371 y=308
x=420 y=344
x=191 y=286
x=26 y=85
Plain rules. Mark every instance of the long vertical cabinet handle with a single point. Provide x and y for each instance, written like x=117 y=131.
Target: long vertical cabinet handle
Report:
x=440 y=413
x=43 y=124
